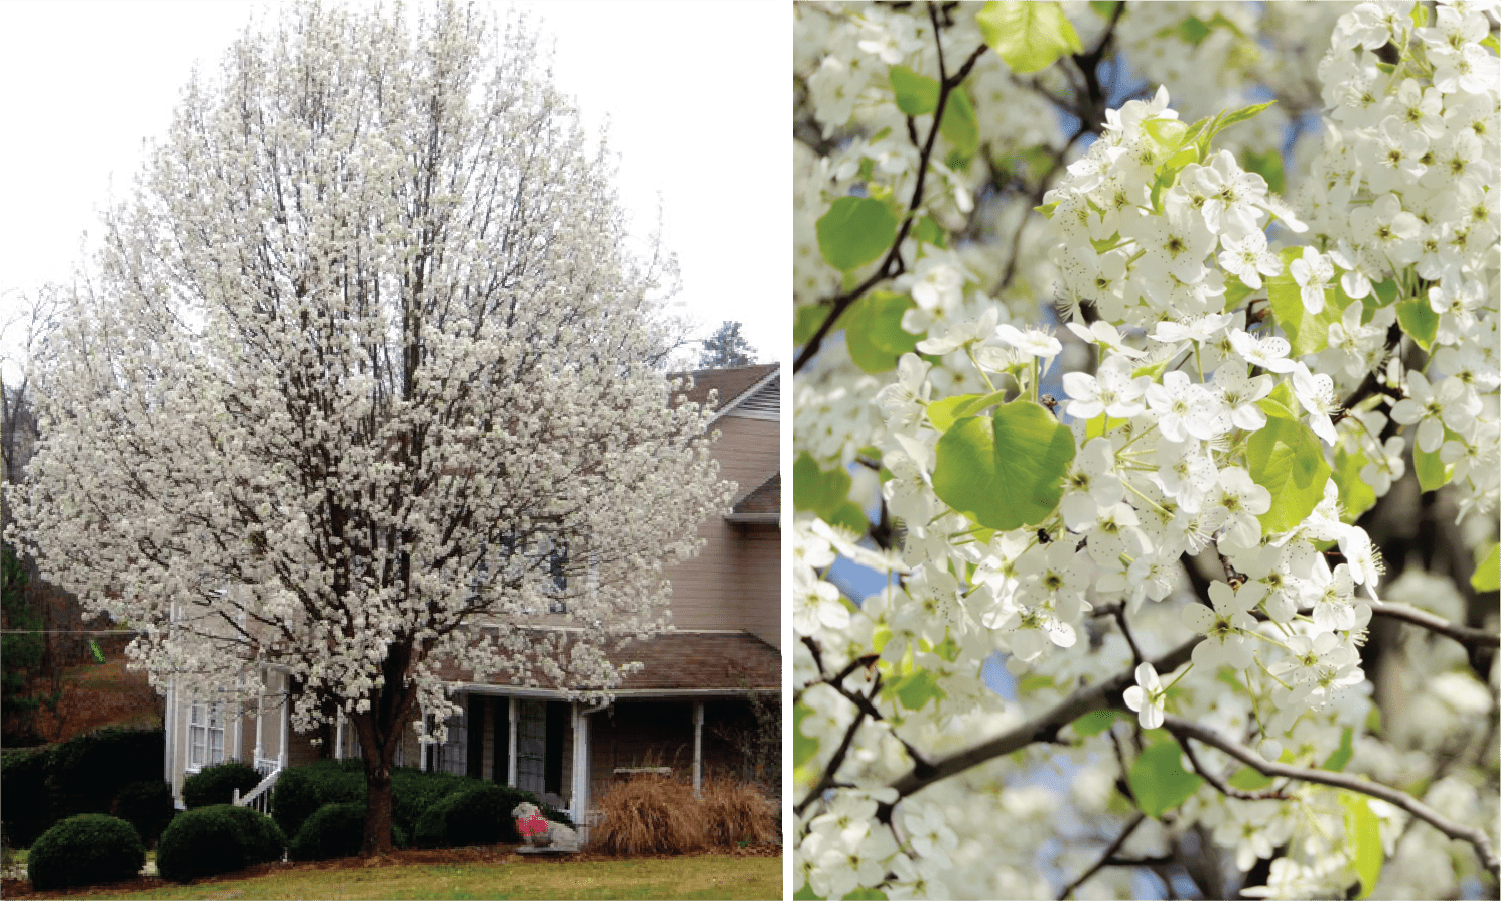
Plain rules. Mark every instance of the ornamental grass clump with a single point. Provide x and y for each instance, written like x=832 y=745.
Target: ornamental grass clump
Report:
x=738 y=813
x=651 y=815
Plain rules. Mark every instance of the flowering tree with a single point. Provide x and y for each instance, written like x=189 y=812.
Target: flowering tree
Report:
x=363 y=352
x=1131 y=334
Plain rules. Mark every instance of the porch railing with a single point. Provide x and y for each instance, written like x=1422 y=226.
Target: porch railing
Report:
x=259 y=798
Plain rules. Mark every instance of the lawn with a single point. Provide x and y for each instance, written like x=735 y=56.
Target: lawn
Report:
x=706 y=876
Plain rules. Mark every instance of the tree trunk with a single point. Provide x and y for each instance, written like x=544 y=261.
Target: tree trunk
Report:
x=377 y=807
x=380 y=730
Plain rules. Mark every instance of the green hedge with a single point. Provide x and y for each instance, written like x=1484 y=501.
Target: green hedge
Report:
x=146 y=805
x=87 y=849
x=220 y=838
x=216 y=784
x=301 y=791
x=83 y=775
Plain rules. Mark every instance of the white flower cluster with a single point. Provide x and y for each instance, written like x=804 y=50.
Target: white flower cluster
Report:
x=1216 y=342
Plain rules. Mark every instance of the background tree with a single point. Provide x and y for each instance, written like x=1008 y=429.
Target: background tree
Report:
x=1026 y=234
x=363 y=348
x=726 y=348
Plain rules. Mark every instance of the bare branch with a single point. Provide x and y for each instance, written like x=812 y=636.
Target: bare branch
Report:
x=1042 y=728
x=1250 y=758
x=1105 y=858
x=1461 y=634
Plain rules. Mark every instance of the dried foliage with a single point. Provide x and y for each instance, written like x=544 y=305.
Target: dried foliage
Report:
x=651 y=815
x=657 y=815
x=738 y=812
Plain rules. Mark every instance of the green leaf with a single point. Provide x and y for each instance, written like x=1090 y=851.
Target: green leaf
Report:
x=806 y=893
x=1158 y=780
x=817 y=490
x=1307 y=332
x=1236 y=291
x=1341 y=756
x=928 y=231
x=1034 y=682
x=1167 y=132
x=806 y=322
x=1104 y=8
x=1418 y=320
x=916 y=689
x=959 y=127
x=1193 y=31
x=804 y=749
x=1355 y=496
x=1248 y=780
x=1005 y=471
x=1385 y=292
x=1268 y=165
x=1094 y=723
x=1491 y=42
x=865 y=894
x=1286 y=458
x=916 y=95
x=1433 y=474
x=1029 y=36
x=850 y=516
x=1364 y=836
x=855 y=231
x=1242 y=114
x=1487 y=575
x=873 y=332
x=944 y=411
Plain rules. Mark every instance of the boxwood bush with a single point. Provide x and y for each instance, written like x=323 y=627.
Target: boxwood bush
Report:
x=334 y=830
x=147 y=806
x=207 y=841
x=216 y=784
x=87 y=849
x=303 y=790
x=88 y=771
x=263 y=839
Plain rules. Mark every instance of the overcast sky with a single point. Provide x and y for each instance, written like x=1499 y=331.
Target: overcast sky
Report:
x=694 y=95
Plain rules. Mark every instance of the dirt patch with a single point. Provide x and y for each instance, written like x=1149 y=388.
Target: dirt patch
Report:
x=21 y=888
x=95 y=695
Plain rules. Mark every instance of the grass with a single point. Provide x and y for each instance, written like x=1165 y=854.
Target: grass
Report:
x=708 y=876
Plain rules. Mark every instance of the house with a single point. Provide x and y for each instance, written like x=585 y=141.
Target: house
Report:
x=697 y=708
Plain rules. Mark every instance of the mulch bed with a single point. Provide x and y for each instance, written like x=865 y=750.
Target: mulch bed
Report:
x=21 y=888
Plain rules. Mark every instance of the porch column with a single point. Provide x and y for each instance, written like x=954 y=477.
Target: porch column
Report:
x=698 y=747
x=511 y=746
x=580 y=806
x=260 y=710
x=339 y=736
x=169 y=729
x=286 y=718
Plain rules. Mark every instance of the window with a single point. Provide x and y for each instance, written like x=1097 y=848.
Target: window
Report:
x=205 y=735
x=544 y=555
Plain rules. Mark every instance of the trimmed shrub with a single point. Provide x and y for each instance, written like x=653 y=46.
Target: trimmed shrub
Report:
x=204 y=841
x=87 y=849
x=263 y=839
x=90 y=770
x=216 y=784
x=26 y=786
x=147 y=806
x=736 y=813
x=334 y=830
x=650 y=815
x=301 y=791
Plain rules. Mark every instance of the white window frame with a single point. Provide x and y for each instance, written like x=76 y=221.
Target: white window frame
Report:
x=206 y=735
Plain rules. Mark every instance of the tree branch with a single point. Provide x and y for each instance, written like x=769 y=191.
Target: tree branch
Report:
x=1250 y=758
x=1461 y=634
x=1105 y=858
x=1044 y=727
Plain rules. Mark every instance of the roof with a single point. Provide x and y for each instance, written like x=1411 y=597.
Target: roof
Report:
x=761 y=504
x=731 y=384
x=686 y=662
